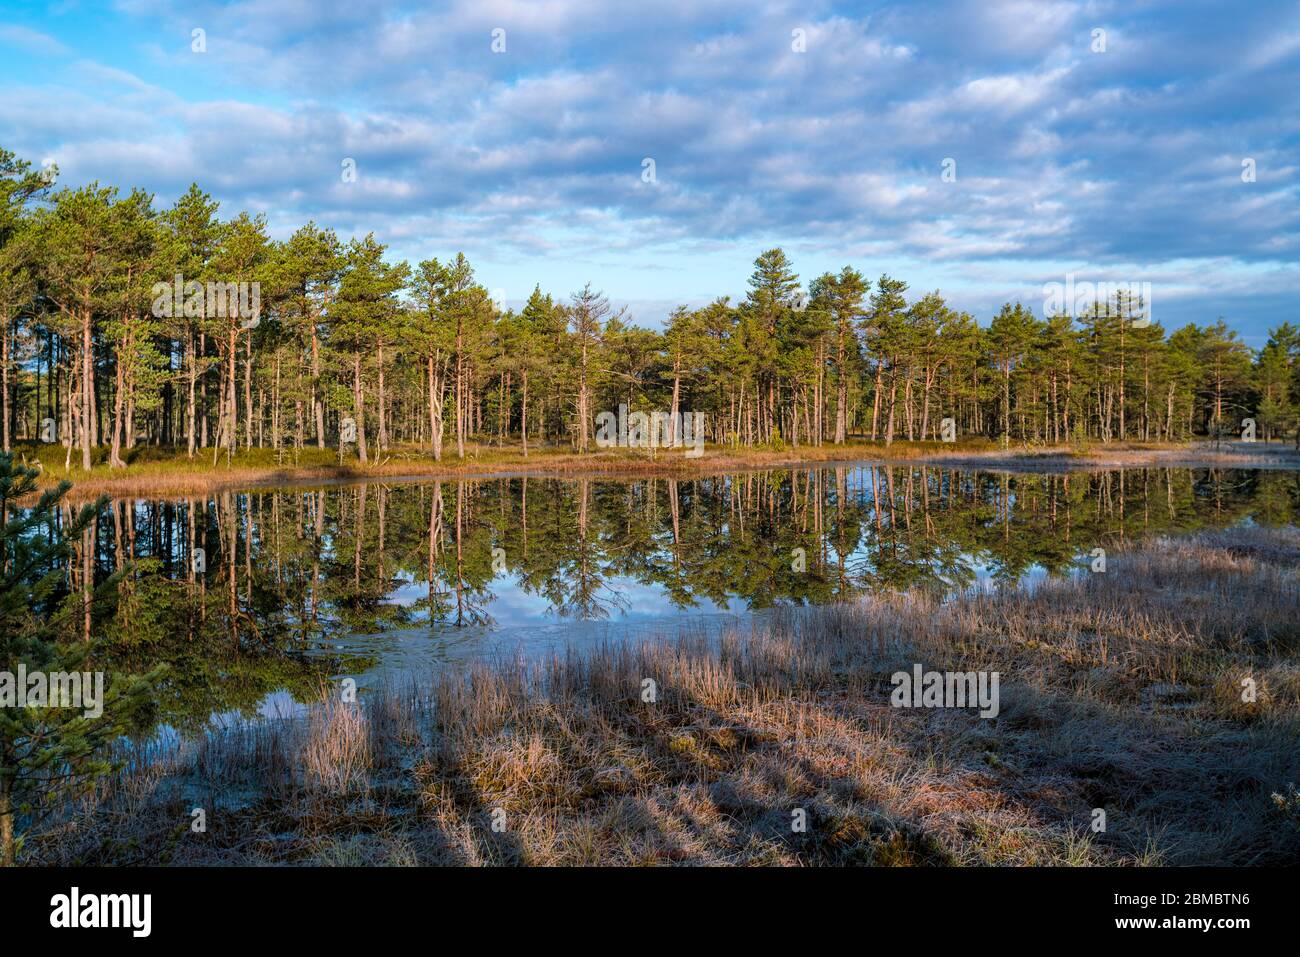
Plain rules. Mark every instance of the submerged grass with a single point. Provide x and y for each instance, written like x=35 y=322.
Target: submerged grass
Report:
x=1121 y=691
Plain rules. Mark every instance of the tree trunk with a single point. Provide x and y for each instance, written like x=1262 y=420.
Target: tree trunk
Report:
x=248 y=391
x=358 y=402
x=318 y=407
x=676 y=407
x=7 y=848
x=119 y=397
x=383 y=426
x=275 y=406
x=190 y=410
x=435 y=408
x=4 y=381
x=582 y=401
x=875 y=405
x=523 y=425
x=87 y=387
x=461 y=410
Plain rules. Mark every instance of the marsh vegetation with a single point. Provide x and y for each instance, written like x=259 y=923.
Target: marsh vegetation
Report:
x=1120 y=692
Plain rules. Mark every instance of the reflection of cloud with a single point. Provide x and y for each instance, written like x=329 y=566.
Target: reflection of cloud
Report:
x=512 y=606
x=533 y=157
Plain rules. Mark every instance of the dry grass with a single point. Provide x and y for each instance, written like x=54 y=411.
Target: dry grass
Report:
x=160 y=472
x=1120 y=691
x=155 y=472
x=1096 y=455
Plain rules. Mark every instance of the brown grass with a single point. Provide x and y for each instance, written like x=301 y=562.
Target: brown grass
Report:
x=1120 y=691
x=154 y=472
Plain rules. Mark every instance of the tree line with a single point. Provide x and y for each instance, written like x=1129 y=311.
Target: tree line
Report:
x=109 y=340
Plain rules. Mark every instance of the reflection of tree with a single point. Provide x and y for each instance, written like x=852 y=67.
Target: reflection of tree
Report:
x=471 y=574
x=1275 y=496
x=579 y=589
x=351 y=587
x=458 y=561
x=225 y=630
x=288 y=570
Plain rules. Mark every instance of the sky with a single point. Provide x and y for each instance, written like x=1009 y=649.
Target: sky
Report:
x=983 y=149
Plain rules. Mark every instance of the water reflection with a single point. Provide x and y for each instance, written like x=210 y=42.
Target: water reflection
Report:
x=297 y=585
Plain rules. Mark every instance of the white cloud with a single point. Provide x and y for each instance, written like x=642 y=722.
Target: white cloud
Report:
x=12 y=34
x=1128 y=156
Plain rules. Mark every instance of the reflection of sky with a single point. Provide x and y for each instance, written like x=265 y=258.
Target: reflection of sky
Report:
x=513 y=606
x=526 y=628
x=526 y=625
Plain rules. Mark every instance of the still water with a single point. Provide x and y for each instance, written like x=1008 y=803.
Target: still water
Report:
x=255 y=599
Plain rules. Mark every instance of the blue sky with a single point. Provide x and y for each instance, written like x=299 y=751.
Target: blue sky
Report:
x=820 y=127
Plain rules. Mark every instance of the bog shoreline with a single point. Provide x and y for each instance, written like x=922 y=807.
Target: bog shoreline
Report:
x=156 y=475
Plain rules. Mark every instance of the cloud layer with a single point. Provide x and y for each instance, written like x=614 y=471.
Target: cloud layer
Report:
x=822 y=127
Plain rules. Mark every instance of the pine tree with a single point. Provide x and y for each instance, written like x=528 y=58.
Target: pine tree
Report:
x=773 y=286
x=887 y=336
x=362 y=319
x=310 y=264
x=1275 y=372
x=19 y=184
x=842 y=297
x=1010 y=336
x=1225 y=364
x=197 y=232
x=47 y=753
x=589 y=311
x=80 y=344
